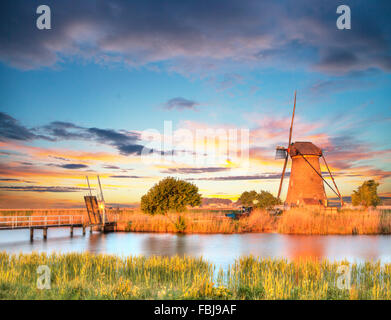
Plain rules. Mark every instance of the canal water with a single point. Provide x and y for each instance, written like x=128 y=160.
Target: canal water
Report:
x=219 y=249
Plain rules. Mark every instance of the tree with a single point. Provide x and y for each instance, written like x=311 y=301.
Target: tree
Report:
x=266 y=200
x=262 y=200
x=366 y=194
x=247 y=198
x=170 y=194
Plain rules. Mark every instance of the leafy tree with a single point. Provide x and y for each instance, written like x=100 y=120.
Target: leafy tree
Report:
x=247 y=198
x=266 y=200
x=170 y=194
x=366 y=194
x=262 y=200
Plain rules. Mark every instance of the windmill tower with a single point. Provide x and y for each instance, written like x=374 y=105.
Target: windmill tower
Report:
x=306 y=181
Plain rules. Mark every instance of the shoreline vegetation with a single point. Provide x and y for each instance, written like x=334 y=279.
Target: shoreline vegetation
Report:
x=89 y=276
x=294 y=221
x=301 y=221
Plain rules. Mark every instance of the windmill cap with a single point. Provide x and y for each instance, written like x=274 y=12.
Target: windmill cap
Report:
x=304 y=148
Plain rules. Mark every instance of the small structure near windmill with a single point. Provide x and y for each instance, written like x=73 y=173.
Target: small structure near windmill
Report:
x=96 y=209
x=306 y=181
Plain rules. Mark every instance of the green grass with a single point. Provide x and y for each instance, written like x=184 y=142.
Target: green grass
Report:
x=88 y=276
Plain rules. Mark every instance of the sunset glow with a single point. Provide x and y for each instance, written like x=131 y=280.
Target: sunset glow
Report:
x=77 y=99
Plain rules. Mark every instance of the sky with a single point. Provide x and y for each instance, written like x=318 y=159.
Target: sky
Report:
x=92 y=96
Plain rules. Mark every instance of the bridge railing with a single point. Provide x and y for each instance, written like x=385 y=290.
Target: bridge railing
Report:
x=11 y=222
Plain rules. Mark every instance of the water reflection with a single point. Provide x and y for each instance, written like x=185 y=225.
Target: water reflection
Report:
x=169 y=245
x=217 y=248
x=304 y=247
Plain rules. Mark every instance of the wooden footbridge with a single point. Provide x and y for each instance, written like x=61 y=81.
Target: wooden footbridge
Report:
x=53 y=221
x=96 y=219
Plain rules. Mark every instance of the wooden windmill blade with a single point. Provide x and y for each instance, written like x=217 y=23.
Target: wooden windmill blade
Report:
x=332 y=178
x=293 y=117
x=316 y=171
x=287 y=150
x=282 y=175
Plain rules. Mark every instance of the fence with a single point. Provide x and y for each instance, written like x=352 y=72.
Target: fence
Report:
x=17 y=222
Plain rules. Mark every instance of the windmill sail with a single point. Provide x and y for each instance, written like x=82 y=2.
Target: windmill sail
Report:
x=278 y=151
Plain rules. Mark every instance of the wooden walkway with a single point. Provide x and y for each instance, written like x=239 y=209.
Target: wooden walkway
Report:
x=52 y=221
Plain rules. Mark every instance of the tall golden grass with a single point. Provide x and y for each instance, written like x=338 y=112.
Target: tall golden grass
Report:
x=88 y=276
x=294 y=221
x=194 y=221
x=306 y=221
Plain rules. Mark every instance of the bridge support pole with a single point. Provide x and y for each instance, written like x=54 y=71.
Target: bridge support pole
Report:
x=91 y=229
x=84 y=230
x=45 y=233
x=71 y=231
x=31 y=234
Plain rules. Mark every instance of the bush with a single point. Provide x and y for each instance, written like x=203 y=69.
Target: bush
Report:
x=170 y=194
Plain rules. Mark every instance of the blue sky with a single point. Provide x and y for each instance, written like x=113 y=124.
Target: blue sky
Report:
x=82 y=92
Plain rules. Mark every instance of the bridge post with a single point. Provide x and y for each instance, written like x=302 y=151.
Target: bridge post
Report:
x=84 y=230
x=45 y=233
x=91 y=229
x=71 y=231
x=31 y=234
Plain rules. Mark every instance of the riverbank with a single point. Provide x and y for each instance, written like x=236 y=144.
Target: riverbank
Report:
x=299 y=221
x=294 y=221
x=88 y=276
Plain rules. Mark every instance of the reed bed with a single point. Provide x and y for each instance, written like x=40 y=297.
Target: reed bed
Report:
x=88 y=276
x=188 y=222
x=294 y=221
x=305 y=221
x=205 y=221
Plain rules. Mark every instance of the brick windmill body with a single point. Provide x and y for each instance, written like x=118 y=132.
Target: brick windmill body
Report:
x=306 y=183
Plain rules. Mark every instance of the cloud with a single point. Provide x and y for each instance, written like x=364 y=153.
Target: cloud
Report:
x=180 y=104
x=194 y=170
x=126 y=142
x=112 y=136
x=111 y=167
x=14 y=180
x=73 y=166
x=42 y=189
x=198 y=36
x=126 y=177
x=134 y=149
x=10 y=129
x=65 y=130
x=27 y=163
x=266 y=176
x=346 y=151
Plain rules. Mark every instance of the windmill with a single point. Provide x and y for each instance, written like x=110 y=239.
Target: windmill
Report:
x=305 y=182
